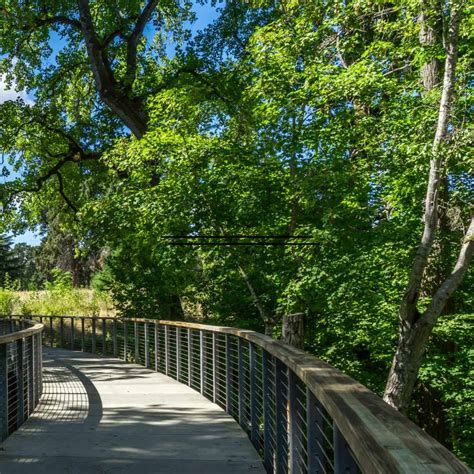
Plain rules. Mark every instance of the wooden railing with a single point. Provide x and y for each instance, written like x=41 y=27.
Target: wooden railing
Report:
x=20 y=372
x=301 y=414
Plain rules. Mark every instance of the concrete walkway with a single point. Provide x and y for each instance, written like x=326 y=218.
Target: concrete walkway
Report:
x=101 y=415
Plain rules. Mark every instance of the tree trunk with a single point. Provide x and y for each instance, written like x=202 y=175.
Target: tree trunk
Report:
x=293 y=329
x=129 y=110
x=415 y=328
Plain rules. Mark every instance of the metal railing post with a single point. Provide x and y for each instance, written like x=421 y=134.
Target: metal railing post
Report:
x=3 y=391
x=280 y=408
x=125 y=340
x=201 y=360
x=167 y=358
x=343 y=460
x=241 y=384
x=51 y=333
x=157 y=346
x=147 y=346
x=104 y=336
x=61 y=332
x=190 y=356
x=93 y=335
x=214 y=367
x=72 y=333
x=137 y=347
x=83 y=334
x=114 y=338
x=228 y=376
x=267 y=445
x=20 y=387
x=178 y=353
x=253 y=395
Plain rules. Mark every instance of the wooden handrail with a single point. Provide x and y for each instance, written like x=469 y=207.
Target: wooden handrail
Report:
x=381 y=439
x=22 y=333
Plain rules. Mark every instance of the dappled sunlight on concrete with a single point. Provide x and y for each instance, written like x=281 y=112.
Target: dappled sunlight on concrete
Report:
x=103 y=415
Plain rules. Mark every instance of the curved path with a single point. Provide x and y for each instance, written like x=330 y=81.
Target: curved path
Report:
x=101 y=415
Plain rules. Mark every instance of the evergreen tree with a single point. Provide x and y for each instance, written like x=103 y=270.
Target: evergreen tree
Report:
x=8 y=261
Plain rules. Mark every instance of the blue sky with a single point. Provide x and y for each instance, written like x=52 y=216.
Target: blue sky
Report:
x=205 y=14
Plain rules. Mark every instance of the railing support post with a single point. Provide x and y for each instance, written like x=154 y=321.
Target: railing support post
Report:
x=137 y=347
x=178 y=352
x=267 y=445
x=167 y=358
x=83 y=334
x=201 y=360
x=280 y=407
x=253 y=395
x=157 y=346
x=61 y=332
x=147 y=346
x=343 y=460
x=125 y=340
x=114 y=337
x=228 y=376
x=104 y=336
x=51 y=332
x=214 y=368
x=3 y=391
x=20 y=387
x=190 y=357
x=72 y=333
x=240 y=351
x=93 y=335
x=315 y=434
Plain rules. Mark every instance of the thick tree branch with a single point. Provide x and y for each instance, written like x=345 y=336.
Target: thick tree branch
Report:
x=133 y=40
x=448 y=287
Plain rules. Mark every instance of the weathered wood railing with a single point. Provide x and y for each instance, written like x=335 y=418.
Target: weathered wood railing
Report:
x=20 y=372
x=300 y=413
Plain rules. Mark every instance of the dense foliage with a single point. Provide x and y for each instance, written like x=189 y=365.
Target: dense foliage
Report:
x=306 y=120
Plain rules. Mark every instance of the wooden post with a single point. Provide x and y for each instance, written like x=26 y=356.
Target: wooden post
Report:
x=293 y=329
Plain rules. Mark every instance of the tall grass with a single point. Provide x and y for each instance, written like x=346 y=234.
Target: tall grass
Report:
x=58 y=298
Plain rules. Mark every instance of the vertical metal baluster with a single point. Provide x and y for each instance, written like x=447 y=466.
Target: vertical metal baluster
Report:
x=241 y=384
x=72 y=334
x=61 y=332
x=294 y=425
x=157 y=347
x=214 y=368
x=51 y=333
x=201 y=360
x=190 y=356
x=253 y=396
x=20 y=392
x=31 y=375
x=125 y=341
x=166 y=351
x=315 y=435
x=178 y=352
x=114 y=338
x=83 y=332
x=281 y=434
x=104 y=336
x=228 y=376
x=147 y=346
x=267 y=444
x=39 y=361
x=93 y=335
x=343 y=460
x=137 y=347
x=3 y=391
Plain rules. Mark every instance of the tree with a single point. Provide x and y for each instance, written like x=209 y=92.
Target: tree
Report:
x=9 y=264
x=416 y=327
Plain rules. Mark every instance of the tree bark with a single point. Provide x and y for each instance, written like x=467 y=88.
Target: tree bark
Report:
x=130 y=110
x=293 y=329
x=415 y=328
